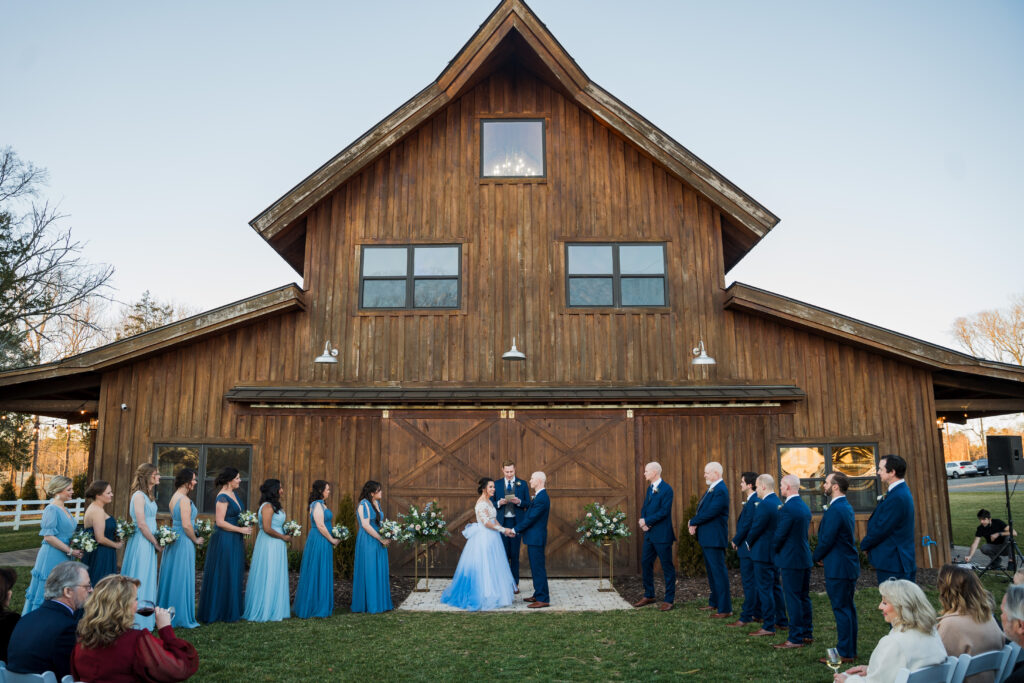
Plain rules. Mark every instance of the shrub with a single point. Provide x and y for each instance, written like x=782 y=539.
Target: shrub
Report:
x=294 y=560
x=8 y=492
x=28 y=489
x=79 y=482
x=345 y=553
x=689 y=558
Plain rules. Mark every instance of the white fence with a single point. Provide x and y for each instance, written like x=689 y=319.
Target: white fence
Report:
x=22 y=517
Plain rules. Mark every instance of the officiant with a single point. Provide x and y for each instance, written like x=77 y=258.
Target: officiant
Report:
x=511 y=498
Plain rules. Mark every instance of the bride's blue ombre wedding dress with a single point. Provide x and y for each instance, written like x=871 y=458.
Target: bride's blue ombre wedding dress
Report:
x=482 y=580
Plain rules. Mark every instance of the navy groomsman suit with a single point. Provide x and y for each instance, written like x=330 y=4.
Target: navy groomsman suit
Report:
x=658 y=539
x=837 y=549
x=751 y=610
x=793 y=558
x=712 y=522
x=510 y=514
x=534 y=529
x=889 y=541
x=759 y=540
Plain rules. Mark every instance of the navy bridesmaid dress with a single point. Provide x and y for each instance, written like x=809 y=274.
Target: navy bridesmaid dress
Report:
x=220 y=597
x=103 y=560
x=315 y=594
x=371 y=582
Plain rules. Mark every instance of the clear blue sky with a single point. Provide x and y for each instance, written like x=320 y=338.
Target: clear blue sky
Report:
x=887 y=136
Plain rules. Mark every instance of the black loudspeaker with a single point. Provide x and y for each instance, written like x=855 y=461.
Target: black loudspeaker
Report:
x=1004 y=455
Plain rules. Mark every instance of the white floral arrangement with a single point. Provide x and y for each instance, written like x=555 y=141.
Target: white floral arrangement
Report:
x=393 y=531
x=247 y=518
x=427 y=525
x=292 y=528
x=125 y=529
x=341 y=532
x=598 y=525
x=84 y=541
x=203 y=528
x=165 y=536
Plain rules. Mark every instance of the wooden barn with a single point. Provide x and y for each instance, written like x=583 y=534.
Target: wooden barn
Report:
x=515 y=198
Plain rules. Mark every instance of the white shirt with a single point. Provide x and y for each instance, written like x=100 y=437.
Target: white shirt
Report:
x=656 y=483
x=789 y=498
x=750 y=494
x=712 y=484
x=895 y=484
x=835 y=498
x=902 y=650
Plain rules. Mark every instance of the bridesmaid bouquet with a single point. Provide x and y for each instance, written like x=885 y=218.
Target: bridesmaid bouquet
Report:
x=165 y=536
x=203 y=528
x=598 y=525
x=83 y=540
x=292 y=528
x=341 y=532
x=427 y=525
x=247 y=518
x=393 y=531
x=125 y=529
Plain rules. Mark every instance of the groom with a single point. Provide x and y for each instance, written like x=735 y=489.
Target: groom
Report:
x=511 y=499
x=534 y=529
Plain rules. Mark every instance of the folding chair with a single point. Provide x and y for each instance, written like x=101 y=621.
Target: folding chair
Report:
x=939 y=673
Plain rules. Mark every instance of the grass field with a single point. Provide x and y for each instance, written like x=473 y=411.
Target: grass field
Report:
x=25 y=537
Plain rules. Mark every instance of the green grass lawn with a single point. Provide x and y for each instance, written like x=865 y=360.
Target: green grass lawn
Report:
x=25 y=537
x=963 y=510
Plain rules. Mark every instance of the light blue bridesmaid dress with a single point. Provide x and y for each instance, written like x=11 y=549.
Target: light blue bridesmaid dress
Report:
x=315 y=595
x=140 y=556
x=177 y=587
x=266 y=592
x=371 y=582
x=56 y=522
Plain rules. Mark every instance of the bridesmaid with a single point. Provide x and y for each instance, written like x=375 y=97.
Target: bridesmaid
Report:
x=103 y=528
x=56 y=528
x=371 y=583
x=315 y=594
x=266 y=593
x=139 y=560
x=177 y=586
x=220 y=596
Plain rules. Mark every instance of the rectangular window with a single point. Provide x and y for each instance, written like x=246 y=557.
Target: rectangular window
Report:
x=615 y=275
x=512 y=148
x=411 y=277
x=813 y=462
x=207 y=460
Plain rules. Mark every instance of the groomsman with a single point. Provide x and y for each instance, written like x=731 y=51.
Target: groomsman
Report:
x=889 y=541
x=511 y=511
x=793 y=557
x=534 y=529
x=656 y=523
x=838 y=550
x=751 y=611
x=759 y=540
x=711 y=527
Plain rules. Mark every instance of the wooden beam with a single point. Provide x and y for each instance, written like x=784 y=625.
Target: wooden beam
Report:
x=34 y=406
x=989 y=405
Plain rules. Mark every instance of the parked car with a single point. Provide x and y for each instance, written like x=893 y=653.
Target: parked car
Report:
x=963 y=468
x=981 y=464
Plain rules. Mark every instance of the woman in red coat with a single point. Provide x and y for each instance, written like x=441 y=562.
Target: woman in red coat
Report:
x=109 y=650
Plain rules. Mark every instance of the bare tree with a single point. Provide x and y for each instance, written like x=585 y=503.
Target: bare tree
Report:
x=994 y=334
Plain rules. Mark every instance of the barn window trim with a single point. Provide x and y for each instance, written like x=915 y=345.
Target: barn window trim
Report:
x=410 y=278
x=811 y=486
x=201 y=473
x=484 y=175
x=616 y=275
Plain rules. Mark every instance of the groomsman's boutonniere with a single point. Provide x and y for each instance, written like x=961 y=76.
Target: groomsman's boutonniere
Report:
x=780 y=507
x=654 y=489
x=755 y=504
x=824 y=507
x=743 y=502
x=880 y=498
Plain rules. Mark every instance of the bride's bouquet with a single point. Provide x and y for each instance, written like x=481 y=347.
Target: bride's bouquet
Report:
x=427 y=525
x=598 y=525
x=393 y=531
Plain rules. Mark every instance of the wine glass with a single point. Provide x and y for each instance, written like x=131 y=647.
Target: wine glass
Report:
x=834 y=660
x=145 y=608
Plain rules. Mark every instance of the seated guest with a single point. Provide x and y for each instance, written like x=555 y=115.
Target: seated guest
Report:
x=1013 y=625
x=43 y=639
x=912 y=643
x=110 y=650
x=994 y=534
x=967 y=624
x=8 y=617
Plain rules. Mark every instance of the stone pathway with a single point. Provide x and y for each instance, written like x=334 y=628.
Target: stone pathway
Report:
x=567 y=595
x=19 y=558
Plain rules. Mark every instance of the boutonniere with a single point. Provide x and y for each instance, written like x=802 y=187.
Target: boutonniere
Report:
x=780 y=507
x=824 y=507
x=880 y=498
x=757 y=503
x=654 y=490
x=743 y=502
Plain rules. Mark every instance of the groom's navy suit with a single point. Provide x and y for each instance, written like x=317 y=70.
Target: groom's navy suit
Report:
x=657 y=515
x=521 y=491
x=534 y=529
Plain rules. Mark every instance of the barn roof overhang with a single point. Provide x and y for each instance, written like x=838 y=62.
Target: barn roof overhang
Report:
x=965 y=387
x=69 y=389
x=513 y=32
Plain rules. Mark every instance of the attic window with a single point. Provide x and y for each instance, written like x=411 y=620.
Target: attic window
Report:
x=512 y=148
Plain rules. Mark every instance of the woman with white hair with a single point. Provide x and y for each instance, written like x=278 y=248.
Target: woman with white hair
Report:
x=56 y=528
x=912 y=643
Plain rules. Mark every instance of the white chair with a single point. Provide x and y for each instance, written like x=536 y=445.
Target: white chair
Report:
x=939 y=673
x=968 y=665
x=7 y=676
x=1013 y=657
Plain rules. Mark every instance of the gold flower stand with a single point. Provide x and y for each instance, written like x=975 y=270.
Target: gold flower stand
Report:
x=419 y=548
x=601 y=588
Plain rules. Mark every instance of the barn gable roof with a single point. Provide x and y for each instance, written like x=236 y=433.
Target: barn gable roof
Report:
x=513 y=29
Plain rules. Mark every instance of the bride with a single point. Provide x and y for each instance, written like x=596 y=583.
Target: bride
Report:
x=482 y=579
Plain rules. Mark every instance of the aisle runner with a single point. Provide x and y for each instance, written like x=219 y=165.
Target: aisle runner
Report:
x=567 y=595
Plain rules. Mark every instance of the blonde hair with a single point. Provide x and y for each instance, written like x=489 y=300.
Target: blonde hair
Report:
x=913 y=611
x=142 y=474
x=56 y=485
x=108 y=612
x=961 y=592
